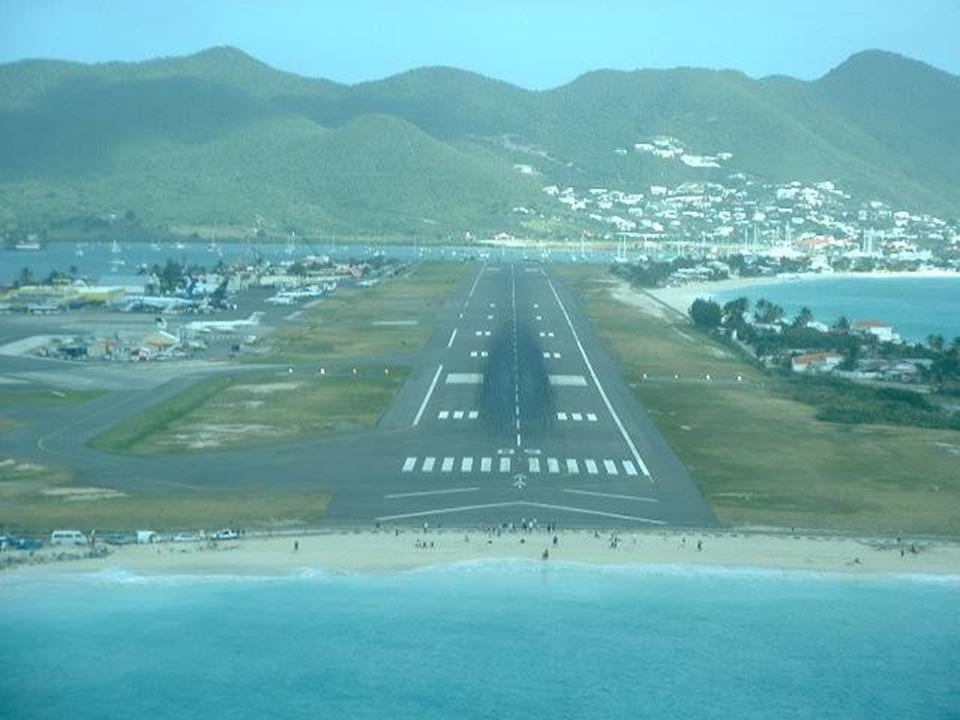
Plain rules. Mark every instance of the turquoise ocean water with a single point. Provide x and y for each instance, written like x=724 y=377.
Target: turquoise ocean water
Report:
x=494 y=640
x=916 y=307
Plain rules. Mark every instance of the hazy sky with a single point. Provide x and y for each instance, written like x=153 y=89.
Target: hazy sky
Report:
x=533 y=43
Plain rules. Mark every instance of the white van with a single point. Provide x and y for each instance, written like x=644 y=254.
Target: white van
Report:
x=67 y=537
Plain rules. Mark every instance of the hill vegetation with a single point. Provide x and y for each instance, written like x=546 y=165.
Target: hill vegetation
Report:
x=218 y=139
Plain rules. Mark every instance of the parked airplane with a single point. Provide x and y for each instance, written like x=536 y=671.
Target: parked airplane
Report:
x=224 y=325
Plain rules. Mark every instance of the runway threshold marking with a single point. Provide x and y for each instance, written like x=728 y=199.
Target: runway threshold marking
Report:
x=603 y=395
x=611 y=495
x=518 y=503
x=426 y=398
x=424 y=493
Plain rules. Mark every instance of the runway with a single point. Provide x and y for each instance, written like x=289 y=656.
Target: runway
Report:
x=513 y=411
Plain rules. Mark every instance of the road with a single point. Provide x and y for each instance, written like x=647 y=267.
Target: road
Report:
x=513 y=411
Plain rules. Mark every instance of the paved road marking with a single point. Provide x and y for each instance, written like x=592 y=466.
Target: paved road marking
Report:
x=596 y=381
x=591 y=466
x=572 y=467
x=409 y=464
x=577 y=417
x=422 y=493
x=443 y=415
x=447 y=465
x=458 y=414
x=452 y=336
x=466 y=465
x=426 y=398
x=591 y=417
x=428 y=464
x=611 y=495
x=533 y=465
x=485 y=464
x=629 y=467
x=552 y=465
x=611 y=467
x=561 y=416
x=473 y=415
x=505 y=464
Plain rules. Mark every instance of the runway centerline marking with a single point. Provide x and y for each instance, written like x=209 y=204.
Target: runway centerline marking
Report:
x=426 y=398
x=425 y=493
x=516 y=356
x=603 y=395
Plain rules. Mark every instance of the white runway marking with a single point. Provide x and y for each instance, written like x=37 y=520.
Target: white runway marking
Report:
x=475 y=281
x=591 y=417
x=505 y=464
x=478 y=353
x=533 y=465
x=428 y=464
x=577 y=417
x=409 y=464
x=458 y=414
x=452 y=336
x=611 y=467
x=561 y=416
x=489 y=317
x=485 y=464
x=611 y=495
x=443 y=415
x=518 y=503
x=426 y=398
x=546 y=334
x=629 y=467
x=447 y=465
x=591 y=466
x=548 y=355
x=464 y=378
x=568 y=380
x=539 y=317
x=596 y=381
x=572 y=467
x=473 y=414
x=466 y=465
x=553 y=466
x=423 y=493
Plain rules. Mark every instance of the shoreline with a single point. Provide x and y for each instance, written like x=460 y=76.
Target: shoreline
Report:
x=375 y=552
x=679 y=298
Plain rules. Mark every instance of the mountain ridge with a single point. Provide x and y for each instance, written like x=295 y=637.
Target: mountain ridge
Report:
x=880 y=124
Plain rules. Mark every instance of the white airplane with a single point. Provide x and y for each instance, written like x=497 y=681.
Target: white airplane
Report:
x=224 y=325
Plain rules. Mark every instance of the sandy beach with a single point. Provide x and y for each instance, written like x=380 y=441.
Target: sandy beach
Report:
x=680 y=298
x=389 y=550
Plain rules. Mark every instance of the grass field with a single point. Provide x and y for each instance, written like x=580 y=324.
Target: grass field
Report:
x=250 y=408
x=760 y=458
x=346 y=325
x=40 y=511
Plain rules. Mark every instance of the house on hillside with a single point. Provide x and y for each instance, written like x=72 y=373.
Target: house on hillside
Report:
x=818 y=362
x=882 y=331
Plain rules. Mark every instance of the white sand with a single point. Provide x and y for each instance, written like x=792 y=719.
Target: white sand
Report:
x=368 y=551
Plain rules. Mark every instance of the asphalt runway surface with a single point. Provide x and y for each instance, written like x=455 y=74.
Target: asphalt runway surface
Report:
x=513 y=411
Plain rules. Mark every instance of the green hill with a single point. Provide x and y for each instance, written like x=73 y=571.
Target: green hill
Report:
x=218 y=138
